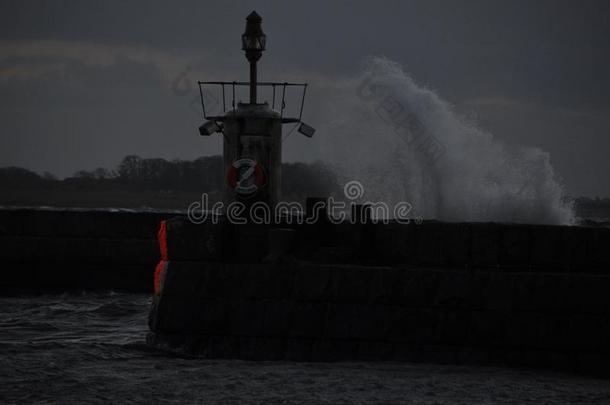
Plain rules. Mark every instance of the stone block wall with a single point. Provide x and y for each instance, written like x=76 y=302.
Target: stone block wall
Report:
x=305 y=311
x=450 y=292
x=78 y=249
x=522 y=295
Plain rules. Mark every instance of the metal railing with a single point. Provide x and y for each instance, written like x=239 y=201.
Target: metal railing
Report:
x=274 y=85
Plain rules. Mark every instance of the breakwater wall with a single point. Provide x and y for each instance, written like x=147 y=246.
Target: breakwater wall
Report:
x=305 y=311
x=42 y=246
x=46 y=249
x=526 y=295
x=521 y=295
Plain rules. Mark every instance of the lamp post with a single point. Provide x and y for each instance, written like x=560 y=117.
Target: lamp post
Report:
x=253 y=43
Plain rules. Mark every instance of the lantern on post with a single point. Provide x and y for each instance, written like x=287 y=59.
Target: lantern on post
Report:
x=253 y=43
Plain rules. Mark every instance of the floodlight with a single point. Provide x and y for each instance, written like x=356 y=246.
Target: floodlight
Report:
x=208 y=128
x=306 y=130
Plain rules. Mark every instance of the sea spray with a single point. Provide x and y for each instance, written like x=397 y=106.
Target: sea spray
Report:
x=404 y=143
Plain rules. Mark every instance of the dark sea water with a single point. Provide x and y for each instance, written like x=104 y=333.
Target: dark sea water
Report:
x=89 y=347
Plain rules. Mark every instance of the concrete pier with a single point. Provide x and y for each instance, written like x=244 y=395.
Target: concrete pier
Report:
x=46 y=249
x=522 y=295
x=483 y=293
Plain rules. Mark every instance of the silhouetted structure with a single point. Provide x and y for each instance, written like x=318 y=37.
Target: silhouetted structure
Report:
x=253 y=131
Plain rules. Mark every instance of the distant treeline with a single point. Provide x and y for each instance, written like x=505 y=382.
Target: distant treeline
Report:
x=593 y=208
x=205 y=174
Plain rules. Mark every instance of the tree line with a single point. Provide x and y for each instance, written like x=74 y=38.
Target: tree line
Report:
x=205 y=174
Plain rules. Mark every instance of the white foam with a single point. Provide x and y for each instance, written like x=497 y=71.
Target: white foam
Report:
x=463 y=174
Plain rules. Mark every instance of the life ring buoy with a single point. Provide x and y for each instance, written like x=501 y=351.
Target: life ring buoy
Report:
x=245 y=176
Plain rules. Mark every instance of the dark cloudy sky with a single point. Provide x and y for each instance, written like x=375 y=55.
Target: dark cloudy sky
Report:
x=83 y=84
